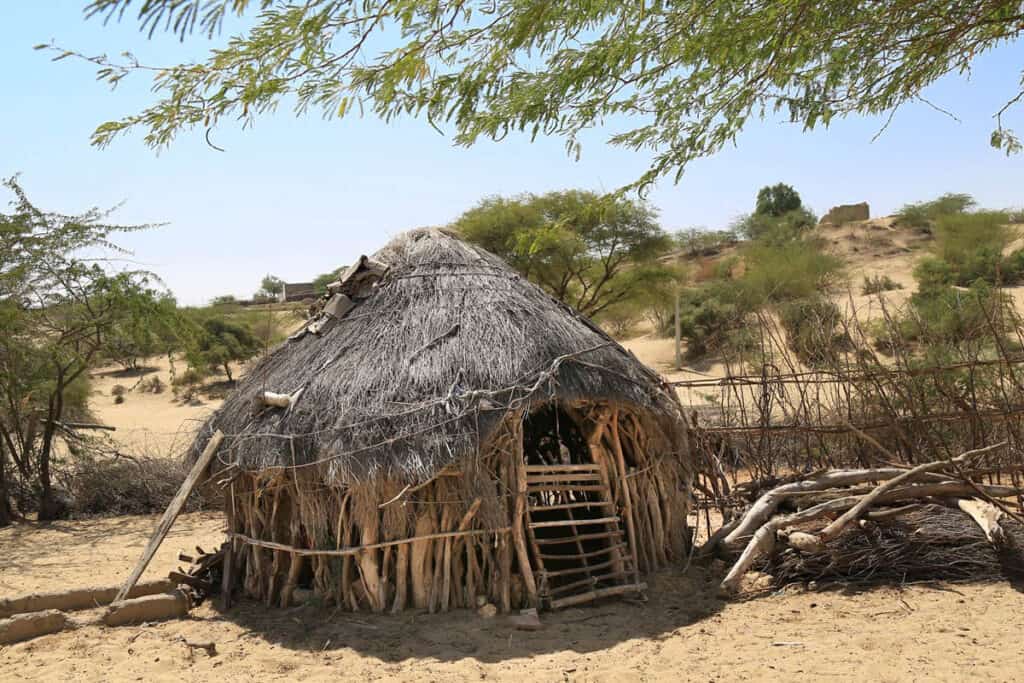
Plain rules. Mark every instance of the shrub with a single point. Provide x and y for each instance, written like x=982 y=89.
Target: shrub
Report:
x=878 y=284
x=153 y=385
x=972 y=244
x=711 y=319
x=946 y=315
x=777 y=273
x=619 y=321
x=123 y=485
x=118 y=392
x=931 y=272
x=771 y=229
x=812 y=329
x=922 y=215
x=186 y=384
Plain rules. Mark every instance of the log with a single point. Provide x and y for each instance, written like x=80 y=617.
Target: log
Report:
x=768 y=503
x=987 y=516
x=764 y=539
x=150 y=608
x=171 y=513
x=77 y=598
x=597 y=594
x=31 y=625
x=836 y=527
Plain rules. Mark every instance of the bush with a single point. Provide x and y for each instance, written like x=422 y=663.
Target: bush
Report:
x=813 y=330
x=777 y=273
x=711 y=319
x=771 y=229
x=946 y=315
x=922 y=215
x=619 y=321
x=153 y=385
x=118 y=392
x=124 y=485
x=879 y=284
x=186 y=384
x=972 y=244
x=931 y=273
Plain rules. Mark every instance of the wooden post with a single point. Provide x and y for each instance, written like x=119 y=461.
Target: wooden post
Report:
x=518 y=471
x=679 y=335
x=227 y=582
x=626 y=499
x=171 y=513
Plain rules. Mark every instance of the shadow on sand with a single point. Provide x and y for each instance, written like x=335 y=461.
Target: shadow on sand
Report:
x=674 y=601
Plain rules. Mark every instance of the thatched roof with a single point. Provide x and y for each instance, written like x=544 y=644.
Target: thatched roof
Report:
x=424 y=367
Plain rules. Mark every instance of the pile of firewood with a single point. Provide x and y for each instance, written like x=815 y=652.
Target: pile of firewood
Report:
x=878 y=523
x=203 y=576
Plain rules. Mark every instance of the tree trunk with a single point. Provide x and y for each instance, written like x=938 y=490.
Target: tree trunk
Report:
x=227 y=371
x=6 y=513
x=49 y=507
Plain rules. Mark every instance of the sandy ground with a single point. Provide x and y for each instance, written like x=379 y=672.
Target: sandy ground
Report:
x=147 y=423
x=941 y=633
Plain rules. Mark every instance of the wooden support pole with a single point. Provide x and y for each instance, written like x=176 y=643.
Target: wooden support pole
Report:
x=518 y=471
x=171 y=513
x=626 y=499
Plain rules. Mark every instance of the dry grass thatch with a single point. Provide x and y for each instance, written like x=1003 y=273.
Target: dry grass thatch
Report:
x=425 y=366
x=380 y=456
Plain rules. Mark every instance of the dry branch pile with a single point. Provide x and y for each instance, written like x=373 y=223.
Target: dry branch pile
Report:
x=935 y=520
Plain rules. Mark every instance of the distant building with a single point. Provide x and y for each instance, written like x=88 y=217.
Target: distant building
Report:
x=297 y=291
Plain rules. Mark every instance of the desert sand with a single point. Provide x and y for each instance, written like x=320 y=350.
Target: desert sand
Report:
x=683 y=632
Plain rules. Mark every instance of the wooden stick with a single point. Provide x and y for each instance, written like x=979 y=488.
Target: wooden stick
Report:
x=627 y=501
x=171 y=513
x=836 y=527
x=763 y=540
x=518 y=537
x=341 y=552
x=596 y=594
x=767 y=504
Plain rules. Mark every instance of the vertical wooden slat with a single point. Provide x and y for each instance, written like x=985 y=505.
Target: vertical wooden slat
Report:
x=627 y=500
x=518 y=470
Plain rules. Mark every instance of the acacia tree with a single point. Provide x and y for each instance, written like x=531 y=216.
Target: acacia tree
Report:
x=59 y=306
x=271 y=287
x=584 y=249
x=684 y=77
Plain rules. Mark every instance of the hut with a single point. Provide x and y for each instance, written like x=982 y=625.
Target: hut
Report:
x=442 y=432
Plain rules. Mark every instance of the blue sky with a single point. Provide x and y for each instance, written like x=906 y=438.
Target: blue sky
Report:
x=297 y=197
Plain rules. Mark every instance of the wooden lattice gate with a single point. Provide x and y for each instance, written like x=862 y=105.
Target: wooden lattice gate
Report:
x=580 y=549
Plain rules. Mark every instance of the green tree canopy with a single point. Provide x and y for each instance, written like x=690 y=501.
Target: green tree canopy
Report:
x=271 y=287
x=60 y=305
x=685 y=77
x=584 y=249
x=219 y=343
x=777 y=200
x=779 y=216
